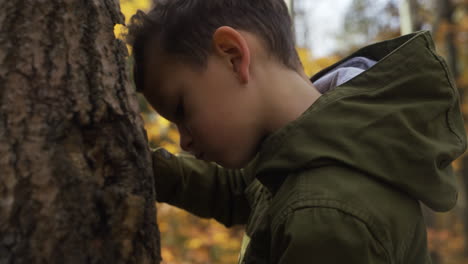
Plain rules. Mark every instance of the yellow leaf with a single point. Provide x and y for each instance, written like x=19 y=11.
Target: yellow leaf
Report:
x=130 y=7
x=194 y=243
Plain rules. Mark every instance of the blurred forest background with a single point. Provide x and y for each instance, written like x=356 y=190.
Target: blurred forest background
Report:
x=188 y=239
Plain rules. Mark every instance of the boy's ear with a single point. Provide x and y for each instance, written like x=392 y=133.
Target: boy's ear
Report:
x=230 y=44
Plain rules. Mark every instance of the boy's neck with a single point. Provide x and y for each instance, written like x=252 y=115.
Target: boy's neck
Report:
x=287 y=95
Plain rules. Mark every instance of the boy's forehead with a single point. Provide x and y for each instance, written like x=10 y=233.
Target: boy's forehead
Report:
x=154 y=68
x=164 y=102
x=161 y=91
x=152 y=64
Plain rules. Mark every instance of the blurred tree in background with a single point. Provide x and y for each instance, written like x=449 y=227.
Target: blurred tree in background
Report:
x=189 y=239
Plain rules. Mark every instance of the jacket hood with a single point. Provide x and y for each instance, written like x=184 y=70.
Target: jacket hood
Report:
x=399 y=122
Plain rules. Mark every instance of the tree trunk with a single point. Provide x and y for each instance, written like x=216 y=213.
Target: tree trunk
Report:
x=410 y=20
x=416 y=19
x=406 y=17
x=446 y=10
x=76 y=182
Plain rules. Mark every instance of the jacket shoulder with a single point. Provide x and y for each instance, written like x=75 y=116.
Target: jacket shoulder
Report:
x=327 y=235
x=393 y=217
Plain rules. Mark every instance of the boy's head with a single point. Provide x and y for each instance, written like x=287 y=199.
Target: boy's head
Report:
x=203 y=65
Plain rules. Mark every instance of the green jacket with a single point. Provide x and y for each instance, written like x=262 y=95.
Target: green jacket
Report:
x=343 y=182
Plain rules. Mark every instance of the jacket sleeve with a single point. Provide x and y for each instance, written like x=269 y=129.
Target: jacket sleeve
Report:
x=325 y=236
x=202 y=188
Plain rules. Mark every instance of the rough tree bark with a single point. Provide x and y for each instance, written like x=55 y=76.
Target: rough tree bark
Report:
x=76 y=181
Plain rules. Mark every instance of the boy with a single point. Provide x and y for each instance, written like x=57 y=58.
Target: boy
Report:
x=326 y=170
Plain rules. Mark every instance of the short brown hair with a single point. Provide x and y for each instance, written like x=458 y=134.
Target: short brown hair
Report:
x=184 y=29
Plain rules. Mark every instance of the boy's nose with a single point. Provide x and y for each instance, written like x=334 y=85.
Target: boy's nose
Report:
x=186 y=142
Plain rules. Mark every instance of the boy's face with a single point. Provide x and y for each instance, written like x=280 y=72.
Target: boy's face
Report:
x=215 y=109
